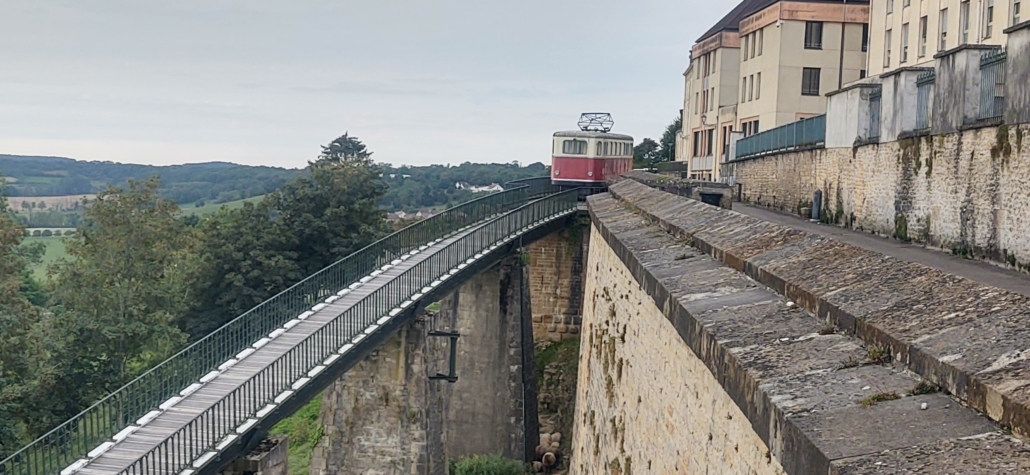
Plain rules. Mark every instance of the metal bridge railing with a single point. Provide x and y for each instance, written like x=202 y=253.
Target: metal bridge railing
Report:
x=199 y=438
x=536 y=186
x=808 y=132
x=924 y=86
x=992 y=85
x=74 y=439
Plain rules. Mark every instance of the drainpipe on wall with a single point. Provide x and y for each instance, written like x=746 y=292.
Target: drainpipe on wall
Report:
x=843 y=25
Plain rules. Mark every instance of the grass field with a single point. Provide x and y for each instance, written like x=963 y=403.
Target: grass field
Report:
x=52 y=202
x=213 y=208
x=55 y=249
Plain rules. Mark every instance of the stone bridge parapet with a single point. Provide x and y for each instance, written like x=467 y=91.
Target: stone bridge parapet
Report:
x=806 y=356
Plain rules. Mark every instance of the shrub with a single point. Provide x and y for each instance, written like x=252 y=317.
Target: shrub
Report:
x=47 y=233
x=488 y=465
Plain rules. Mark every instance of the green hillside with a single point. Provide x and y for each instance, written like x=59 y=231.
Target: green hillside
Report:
x=214 y=207
x=185 y=184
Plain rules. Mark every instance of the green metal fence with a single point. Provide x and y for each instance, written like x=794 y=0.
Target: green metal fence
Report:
x=73 y=440
x=536 y=186
x=206 y=431
x=804 y=133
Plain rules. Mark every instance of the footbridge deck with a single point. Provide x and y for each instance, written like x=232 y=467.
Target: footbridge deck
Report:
x=213 y=401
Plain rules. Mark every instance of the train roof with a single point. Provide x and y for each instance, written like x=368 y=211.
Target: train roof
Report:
x=592 y=135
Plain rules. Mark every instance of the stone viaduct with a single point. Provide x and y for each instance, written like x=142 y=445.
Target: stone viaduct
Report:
x=710 y=342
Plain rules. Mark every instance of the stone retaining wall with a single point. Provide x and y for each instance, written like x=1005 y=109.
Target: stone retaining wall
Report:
x=822 y=353
x=966 y=192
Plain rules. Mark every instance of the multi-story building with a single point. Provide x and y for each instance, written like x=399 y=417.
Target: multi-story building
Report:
x=910 y=32
x=765 y=64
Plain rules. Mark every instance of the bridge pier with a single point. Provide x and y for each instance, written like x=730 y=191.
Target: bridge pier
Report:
x=556 y=282
x=386 y=416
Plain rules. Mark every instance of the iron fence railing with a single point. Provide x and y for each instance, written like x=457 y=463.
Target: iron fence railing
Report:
x=924 y=86
x=536 y=186
x=992 y=85
x=875 y=97
x=671 y=167
x=74 y=439
x=804 y=133
x=201 y=435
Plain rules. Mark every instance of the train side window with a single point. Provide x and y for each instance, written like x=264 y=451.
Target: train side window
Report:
x=575 y=147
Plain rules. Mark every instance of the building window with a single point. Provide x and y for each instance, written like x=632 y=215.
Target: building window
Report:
x=906 y=3
x=697 y=139
x=944 y=31
x=922 y=37
x=711 y=100
x=761 y=37
x=989 y=19
x=890 y=6
x=904 y=43
x=813 y=35
x=726 y=129
x=754 y=44
x=1015 y=12
x=810 y=82
x=711 y=138
x=743 y=89
x=861 y=74
x=865 y=37
x=758 y=86
x=963 y=20
x=751 y=88
x=743 y=57
x=887 y=49
x=697 y=102
x=574 y=147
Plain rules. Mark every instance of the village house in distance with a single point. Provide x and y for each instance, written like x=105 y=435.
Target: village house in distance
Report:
x=765 y=64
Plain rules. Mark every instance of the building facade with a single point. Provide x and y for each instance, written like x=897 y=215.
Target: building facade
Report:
x=766 y=64
x=909 y=33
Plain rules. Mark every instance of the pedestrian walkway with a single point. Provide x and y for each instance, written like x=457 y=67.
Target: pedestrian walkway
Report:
x=978 y=271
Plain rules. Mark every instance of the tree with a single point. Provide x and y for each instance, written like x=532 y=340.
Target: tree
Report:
x=344 y=148
x=645 y=153
x=334 y=210
x=21 y=360
x=245 y=261
x=667 y=148
x=123 y=288
x=252 y=253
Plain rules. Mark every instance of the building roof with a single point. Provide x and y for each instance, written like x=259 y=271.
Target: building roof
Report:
x=746 y=8
x=592 y=135
x=731 y=22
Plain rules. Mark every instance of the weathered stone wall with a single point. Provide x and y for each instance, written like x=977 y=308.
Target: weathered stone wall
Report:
x=385 y=416
x=968 y=192
x=556 y=283
x=271 y=457
x=820 y=345
x=374 y=416
x=645 y=402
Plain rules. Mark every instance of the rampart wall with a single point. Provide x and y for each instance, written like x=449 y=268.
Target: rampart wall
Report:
x=718 y=343
x=967 y=192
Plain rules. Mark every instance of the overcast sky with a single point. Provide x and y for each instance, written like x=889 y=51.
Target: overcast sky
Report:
x=265 y=82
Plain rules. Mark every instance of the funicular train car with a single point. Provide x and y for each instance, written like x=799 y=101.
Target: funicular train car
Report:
x=590 y=156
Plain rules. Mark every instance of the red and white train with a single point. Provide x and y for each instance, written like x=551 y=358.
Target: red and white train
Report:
x=590 y=156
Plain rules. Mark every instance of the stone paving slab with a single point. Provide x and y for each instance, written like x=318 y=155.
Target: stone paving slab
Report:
x=971 y=339
x=800 y=383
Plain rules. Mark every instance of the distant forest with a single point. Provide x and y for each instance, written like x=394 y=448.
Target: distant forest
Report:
x=216 y=181
x=431 y=186
x=410 y=187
